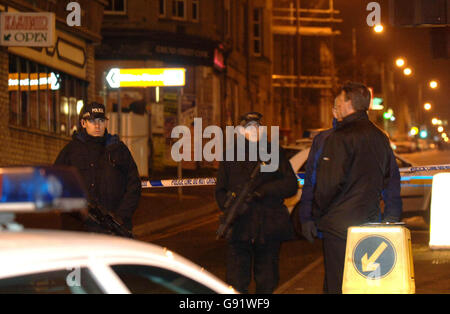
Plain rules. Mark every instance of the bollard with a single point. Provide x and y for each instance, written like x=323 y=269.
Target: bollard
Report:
x=378 y=259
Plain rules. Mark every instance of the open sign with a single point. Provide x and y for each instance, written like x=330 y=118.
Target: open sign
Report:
x=27 y=29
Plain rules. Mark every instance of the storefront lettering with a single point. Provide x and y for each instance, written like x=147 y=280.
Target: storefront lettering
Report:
x=189 y=52
x=26 y=23
x=27 y=37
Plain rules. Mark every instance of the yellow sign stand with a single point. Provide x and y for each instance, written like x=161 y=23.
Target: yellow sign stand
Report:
x=378 y=259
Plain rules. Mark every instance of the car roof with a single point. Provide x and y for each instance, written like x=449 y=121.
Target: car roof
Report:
x=57 y=243
x=42 y=246
x=31 y=244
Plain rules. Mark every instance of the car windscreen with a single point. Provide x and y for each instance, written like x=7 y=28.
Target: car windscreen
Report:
x=141 y=279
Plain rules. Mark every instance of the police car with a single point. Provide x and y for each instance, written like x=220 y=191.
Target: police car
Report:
x=40 y=261
x=416 y=183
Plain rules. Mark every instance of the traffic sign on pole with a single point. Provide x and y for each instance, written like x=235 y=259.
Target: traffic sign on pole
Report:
x=151 y=77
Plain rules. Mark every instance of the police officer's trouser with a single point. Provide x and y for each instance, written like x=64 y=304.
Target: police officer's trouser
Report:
x=265 y=265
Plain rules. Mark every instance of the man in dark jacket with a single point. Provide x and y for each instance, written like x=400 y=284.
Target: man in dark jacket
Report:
x=352 y=172
x=258 y=232
x=391 y=195
x=105 y=164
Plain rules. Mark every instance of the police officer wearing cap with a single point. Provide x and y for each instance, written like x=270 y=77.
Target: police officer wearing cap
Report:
x=256 y=236
x=105 y=164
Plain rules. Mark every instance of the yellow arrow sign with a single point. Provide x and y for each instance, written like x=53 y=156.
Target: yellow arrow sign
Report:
x=368 y=264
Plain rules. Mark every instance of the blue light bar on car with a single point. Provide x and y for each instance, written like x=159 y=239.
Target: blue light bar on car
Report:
x=25 y=189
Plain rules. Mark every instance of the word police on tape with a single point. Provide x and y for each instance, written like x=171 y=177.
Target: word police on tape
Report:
x=179 y=182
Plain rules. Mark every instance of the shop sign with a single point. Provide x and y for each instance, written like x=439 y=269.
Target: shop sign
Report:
x=27 y=29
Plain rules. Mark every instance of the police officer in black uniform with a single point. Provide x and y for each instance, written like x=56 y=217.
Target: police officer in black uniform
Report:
x=256 y=235
x=106 y=166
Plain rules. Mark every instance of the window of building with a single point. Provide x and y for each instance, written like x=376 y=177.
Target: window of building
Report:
x=162 y=8
x=116 y=7
x=242 y=19
x=257 y=31
x=195 y=10
x=42 y=98
x=179 y=9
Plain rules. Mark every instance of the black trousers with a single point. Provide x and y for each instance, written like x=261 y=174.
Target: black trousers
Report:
x=264 y=259
x=334 y=261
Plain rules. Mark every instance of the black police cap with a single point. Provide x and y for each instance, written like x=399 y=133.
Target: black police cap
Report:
x=93 y=110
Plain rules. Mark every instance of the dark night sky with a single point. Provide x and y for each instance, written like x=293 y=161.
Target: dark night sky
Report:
x=411 y=43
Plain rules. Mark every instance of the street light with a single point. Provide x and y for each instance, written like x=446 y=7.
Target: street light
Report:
x=378 y=28
x=440 y=129
x=407 y=71
x=400 y=62
x=433 y=84
x=427 y=106
x=414 y=131
x=434 y=121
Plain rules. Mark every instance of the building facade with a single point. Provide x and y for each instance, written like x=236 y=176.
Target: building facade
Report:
x=225 y=47
x=43 y=88
x=303 y=64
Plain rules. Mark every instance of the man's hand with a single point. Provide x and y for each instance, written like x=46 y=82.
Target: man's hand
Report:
x=390 y=219
x=309 y=231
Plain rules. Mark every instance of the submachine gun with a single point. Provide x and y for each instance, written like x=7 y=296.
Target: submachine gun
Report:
x=107 y=220
x=236 y=205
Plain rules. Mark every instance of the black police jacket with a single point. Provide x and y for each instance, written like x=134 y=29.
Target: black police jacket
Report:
x=352 y=171
x=267 y=219
x=108 y=171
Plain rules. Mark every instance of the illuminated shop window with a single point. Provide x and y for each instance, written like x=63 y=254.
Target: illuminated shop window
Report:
x=42 y=98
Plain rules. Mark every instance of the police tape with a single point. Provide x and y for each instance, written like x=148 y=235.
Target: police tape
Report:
x=191 y=182
x=178 y=182
x=426 y=168
x=300 y=178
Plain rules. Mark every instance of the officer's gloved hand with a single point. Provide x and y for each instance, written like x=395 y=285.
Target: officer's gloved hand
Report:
x=309 y=230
